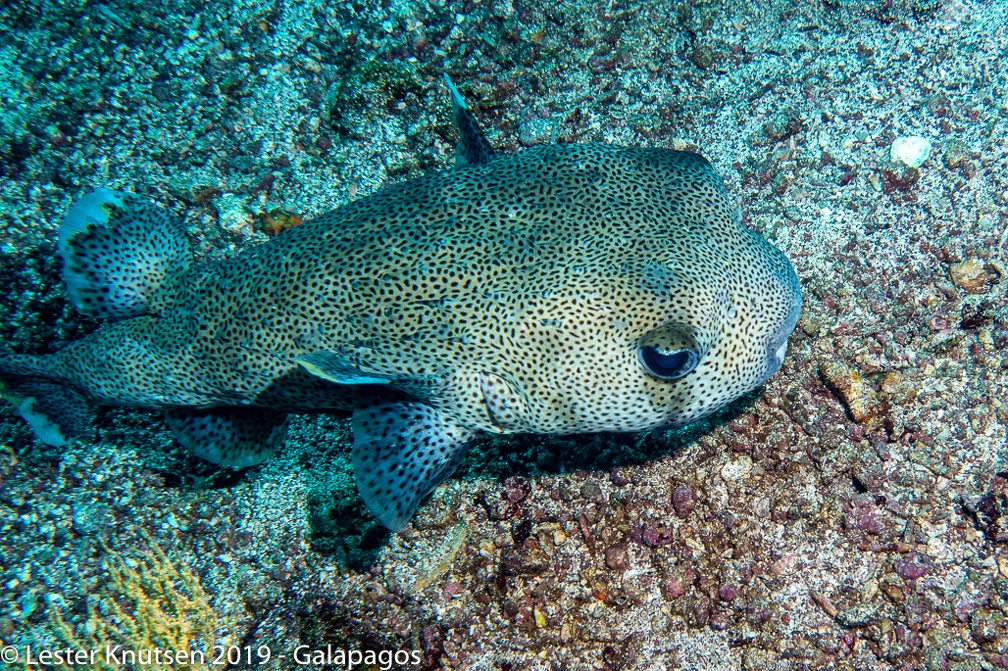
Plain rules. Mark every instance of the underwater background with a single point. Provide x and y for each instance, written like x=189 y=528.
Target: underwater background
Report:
x=851 y=514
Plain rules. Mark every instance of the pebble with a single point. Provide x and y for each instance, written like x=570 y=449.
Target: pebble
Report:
x=913 y=566
x=737 y=469
x=969 y=275
x=591 y=491
x=536 y=130
x=616 y=558
x=857 y=395
x=910 y=151
x=540 y=617
x=28 y=602
x=683 y=500
x=234 y=216
x=672 y=588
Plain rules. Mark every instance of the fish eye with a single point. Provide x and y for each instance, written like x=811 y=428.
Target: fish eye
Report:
x=667 y=365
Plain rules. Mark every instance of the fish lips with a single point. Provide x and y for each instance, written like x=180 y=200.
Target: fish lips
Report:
x=778 y=344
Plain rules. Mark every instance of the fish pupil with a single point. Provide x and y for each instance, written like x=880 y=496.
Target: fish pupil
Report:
x=667 y=365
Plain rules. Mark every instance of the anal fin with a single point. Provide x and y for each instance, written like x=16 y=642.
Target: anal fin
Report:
x=401 y=451
x=229 y=436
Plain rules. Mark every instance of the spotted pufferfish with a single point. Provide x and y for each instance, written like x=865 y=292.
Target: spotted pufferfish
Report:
x=563 y=289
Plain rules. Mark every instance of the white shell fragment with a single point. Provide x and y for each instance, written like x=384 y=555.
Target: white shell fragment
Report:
x=911 y=151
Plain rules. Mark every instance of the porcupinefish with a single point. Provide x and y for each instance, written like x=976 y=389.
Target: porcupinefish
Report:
x=561 y=289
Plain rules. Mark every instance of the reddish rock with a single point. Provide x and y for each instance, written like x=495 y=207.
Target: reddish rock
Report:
x=683 y=500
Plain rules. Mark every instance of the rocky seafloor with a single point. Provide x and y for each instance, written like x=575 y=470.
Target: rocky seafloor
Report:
x=852 y=514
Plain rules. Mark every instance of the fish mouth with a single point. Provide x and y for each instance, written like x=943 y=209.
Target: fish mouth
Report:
x=778 y=345
x=781 y=351
x=775 y=353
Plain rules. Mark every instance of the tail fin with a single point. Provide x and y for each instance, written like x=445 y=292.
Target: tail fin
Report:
x=120 y=253
x=54 y=411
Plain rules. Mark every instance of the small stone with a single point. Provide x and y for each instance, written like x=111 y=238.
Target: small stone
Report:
x=591 y=491
x=29 y=600
x=913 y=566
x=910 y=151
x=540 y=617
x=955 y=155
x=683 y=500
x=823 y=602
x=727 y=593
x=234 y=216
x=616 y=558
x=969 y=275
x=737 y=469
x=672 y=588
x=857 y=395
x=537 y=130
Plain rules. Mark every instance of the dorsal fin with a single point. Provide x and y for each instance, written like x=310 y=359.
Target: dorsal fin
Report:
x=121 y=254
x=473 y=148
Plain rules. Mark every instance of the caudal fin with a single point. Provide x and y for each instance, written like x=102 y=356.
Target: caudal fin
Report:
x=54 y=411
x=120 y=253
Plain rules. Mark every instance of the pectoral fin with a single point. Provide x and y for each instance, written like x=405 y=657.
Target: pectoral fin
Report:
x=396 y=363
x=402 y=451
x=335 y=368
